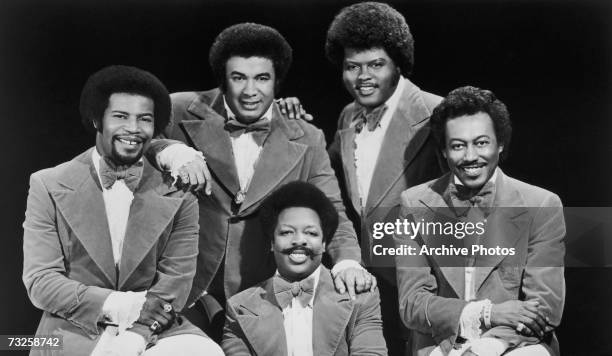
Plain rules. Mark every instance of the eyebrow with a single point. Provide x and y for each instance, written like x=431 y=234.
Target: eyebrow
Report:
x=256 y=75
x=368 y=62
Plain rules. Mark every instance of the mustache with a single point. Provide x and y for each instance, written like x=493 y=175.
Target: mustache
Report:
x=307 y=251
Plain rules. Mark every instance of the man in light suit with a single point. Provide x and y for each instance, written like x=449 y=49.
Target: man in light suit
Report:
x=251 y=149
x=299 y=303
x=383 y=144
x=109 y=248
x=510 y=299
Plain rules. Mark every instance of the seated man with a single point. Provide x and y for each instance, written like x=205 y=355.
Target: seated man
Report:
x=508 y=299
x=109 y=249
x=300 y=300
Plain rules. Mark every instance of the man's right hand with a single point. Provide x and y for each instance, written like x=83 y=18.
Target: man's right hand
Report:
x=156 y=311
x=513 y=312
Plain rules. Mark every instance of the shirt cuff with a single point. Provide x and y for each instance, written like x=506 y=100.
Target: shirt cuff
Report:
x=344 y=264
x=175 y=156
x=489 y=346
x=469 y=321
x=123 y=308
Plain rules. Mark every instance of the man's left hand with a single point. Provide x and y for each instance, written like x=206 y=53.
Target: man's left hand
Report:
x=354 y=280
x=194 y=175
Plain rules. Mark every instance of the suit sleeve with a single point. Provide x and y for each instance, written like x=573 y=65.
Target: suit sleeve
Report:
x=44 y=272
x=177 y=264
x=420 y=306
x=234 y=341
x=367 y=337
x=543 y=278
x=344 y=244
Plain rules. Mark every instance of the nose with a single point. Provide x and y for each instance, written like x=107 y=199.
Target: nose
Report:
x=470 y=153
x=131 y=124
x=299 y=239
x=249 y=88
x=363 y=73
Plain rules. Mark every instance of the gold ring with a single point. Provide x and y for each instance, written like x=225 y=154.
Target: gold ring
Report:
x=167 y=307
x=154 y=326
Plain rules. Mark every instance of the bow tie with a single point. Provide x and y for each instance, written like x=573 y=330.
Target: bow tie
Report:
x=371 y=119
x=260 y=129
x=463 y=198
x=285 y=291
x=110 y=173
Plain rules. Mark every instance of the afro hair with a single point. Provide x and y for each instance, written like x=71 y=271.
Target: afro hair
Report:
x=303 y=195
x=470 y=100
x=123 y=79
x=250 y=40
x=371 y=25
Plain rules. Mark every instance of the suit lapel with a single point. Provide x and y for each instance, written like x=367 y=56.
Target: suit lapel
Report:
x=279 y=155
x=82 y=205
x=150 y=214
x=331 y=314
x=406 y=133
x=209 y=136
x=505 y=226
x=260 y=316
x=347 y=147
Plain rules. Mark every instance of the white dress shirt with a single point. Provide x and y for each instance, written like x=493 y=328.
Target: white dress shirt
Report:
x=246 y=150
x=368 y=144
x=297 y=321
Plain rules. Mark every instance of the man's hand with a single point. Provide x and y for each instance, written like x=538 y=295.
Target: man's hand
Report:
x=354 y=280
x=293 y=109
x=514 y=312
x=126 y=343
x=156 y=313
x=194 y=175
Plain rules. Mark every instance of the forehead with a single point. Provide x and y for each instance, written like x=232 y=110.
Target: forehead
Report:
x=468 y=127
x=365 y=55
x=298 y=216
x=249 y=65
x=130 y=102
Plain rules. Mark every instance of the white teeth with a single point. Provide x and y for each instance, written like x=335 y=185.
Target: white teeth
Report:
x=127 y=142
x=366 y=90
x=298 y=257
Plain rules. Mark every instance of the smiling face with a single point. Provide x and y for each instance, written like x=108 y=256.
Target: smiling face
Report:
x=127 y=128
x=298 y=243
x=249 y=87
x=471 y=148
x=370 y=75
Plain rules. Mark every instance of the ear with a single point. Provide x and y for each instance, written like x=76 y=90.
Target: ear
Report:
x=444 y=154
x=500 y=149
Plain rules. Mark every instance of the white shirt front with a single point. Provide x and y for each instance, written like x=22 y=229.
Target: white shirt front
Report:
x=246 y=150
x=117 y=202
x=297 y=321
x=368 y=144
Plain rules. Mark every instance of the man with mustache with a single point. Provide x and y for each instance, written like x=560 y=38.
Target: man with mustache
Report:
x=383 y=144
x=109 y=248
x=251 y=149
x=482 y=304
x=299 y=303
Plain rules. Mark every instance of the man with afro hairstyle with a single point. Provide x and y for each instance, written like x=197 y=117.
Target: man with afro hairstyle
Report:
x=251 y=148
x=383 y=145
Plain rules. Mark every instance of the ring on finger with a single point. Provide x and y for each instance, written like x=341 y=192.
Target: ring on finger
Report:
x=520 y=327
x=154 y=326
x=167 y=307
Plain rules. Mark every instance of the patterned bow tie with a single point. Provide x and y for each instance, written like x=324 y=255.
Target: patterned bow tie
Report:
x=371 y=119
x=260 y=129
x=110 y=173
x=463 y=198
x=285 y=291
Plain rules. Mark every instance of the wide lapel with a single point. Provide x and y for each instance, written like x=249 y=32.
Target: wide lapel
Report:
x=262 y=322
x=347 y=149
x=82 y=205
x=331 y=314
x=278 y=156
x=406 y=133
x=505 y=226
x=150 y=214
x=209 y=136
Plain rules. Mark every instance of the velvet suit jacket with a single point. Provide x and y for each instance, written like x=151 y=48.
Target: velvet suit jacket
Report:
x=230 y=235
x=340 y=326
x=69 y=268
x=526 y=217
x=408 y=157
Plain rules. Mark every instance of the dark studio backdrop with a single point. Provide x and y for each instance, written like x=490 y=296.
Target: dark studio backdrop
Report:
x=550 y=61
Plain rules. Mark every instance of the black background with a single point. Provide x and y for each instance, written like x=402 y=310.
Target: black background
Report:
x=550 y=61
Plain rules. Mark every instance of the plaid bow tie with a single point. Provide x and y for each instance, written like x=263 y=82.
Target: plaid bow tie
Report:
x=110 y=173
x=260 y=129
x=463 y=198
x=371 y=119
x=285 y=291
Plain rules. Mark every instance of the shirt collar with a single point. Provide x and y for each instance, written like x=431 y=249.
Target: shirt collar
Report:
x=230 y=114
x=316 y=274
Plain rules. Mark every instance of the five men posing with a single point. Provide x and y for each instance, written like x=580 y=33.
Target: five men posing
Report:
x=384 y=146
